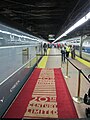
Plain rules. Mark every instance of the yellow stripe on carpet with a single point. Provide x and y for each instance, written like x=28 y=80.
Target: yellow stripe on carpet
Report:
x=42 y=63
x=83 y=61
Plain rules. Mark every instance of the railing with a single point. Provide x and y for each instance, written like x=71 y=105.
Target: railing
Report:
x=77 y=99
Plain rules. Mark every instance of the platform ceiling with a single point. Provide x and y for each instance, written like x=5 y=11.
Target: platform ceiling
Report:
x=44 y=17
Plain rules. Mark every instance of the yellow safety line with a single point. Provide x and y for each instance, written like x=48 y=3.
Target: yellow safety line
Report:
x=42 y=63
x=83 y=61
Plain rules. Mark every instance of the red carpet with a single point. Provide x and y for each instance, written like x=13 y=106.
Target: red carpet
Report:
x=65 y=103
x=45 y=95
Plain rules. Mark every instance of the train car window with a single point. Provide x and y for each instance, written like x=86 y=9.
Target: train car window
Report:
x=25 y=55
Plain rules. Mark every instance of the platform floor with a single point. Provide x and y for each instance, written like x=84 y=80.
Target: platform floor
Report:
x=72 y=80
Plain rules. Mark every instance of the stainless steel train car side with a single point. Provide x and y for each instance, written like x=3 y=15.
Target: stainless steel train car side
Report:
x=14 y=57
x=85 y=50
x=17 y=60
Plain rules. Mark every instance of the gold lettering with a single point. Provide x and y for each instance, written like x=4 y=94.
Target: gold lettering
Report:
x=43 y=103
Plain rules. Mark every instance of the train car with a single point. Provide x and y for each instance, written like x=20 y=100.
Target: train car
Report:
x=18 y=58
x=85 y=51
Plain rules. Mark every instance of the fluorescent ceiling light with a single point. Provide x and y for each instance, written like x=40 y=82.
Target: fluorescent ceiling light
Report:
x=77 y=24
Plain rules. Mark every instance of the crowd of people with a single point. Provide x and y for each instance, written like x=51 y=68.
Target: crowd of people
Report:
x=65 y=50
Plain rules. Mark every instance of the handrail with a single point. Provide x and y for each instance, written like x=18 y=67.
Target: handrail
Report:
x=78 y=70
x=85 y=76
x=77 y=98
x=73 y=64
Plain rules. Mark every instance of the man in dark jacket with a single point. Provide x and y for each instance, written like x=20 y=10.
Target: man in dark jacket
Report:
x=45 y=48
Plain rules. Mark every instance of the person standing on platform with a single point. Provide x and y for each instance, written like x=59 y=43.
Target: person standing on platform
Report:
x=58 y=45
x=45 y=48
x=63 y=53
x=67 y=51
x=73 y=52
